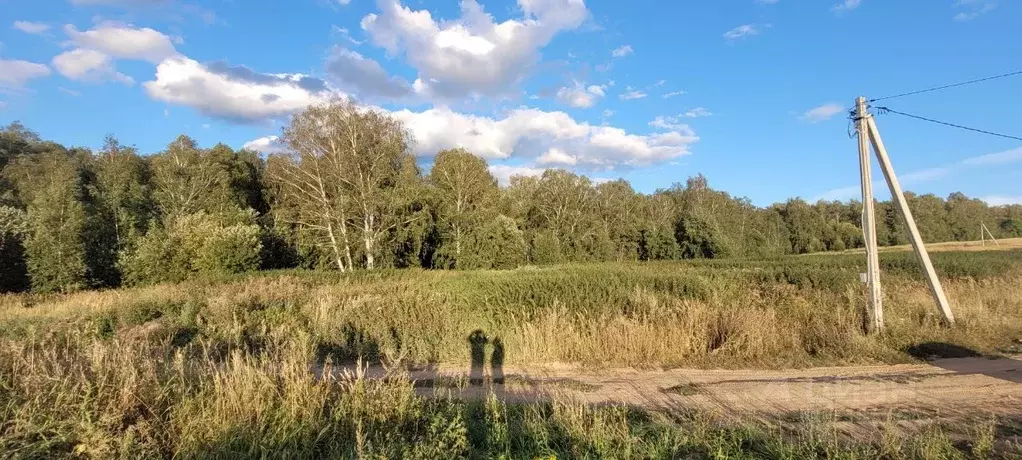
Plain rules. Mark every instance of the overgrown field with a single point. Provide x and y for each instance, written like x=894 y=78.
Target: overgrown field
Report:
x=220 y=367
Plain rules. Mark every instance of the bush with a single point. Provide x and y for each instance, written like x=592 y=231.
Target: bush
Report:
x=194 y=243
x=233 y=249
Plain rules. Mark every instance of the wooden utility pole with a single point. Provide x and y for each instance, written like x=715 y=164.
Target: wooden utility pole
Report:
x=869 y=232
x=899 y=199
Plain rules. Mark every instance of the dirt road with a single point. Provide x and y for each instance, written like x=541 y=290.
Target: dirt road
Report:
x=949 y=388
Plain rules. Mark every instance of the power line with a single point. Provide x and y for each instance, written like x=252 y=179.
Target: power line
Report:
x=953 y=85
x=887 y=110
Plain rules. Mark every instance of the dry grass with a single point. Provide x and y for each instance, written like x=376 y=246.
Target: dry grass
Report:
x=1005 y=244
x=221 y=368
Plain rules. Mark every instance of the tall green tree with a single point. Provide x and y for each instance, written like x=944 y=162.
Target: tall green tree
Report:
x=465 y=190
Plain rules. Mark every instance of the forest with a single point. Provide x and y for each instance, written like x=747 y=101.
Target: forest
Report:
x=347 y=194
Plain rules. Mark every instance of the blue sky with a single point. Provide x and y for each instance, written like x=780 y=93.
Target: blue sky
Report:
x=750 y=93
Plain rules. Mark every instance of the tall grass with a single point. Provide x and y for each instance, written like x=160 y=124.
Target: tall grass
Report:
x=223 y=368
x=87 y=397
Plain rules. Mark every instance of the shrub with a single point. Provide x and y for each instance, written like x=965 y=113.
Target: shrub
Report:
x=194 y=243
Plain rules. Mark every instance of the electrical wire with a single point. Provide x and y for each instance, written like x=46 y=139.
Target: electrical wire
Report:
x=953 y=85
x=883 y=110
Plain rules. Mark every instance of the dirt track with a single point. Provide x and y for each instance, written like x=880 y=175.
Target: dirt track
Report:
x=949 y=388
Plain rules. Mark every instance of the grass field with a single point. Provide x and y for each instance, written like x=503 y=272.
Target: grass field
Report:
x=219 y=368
x=1003 y=244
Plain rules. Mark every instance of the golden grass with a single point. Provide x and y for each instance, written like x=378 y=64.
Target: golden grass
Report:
x=1005 y=244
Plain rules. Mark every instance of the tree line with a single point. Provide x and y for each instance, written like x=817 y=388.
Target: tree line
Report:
x=348 y=194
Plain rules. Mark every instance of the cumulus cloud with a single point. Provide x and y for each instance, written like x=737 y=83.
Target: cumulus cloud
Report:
x=744 y=30
x=822 y=113
x=14 y=74
x=363 y=76
x=234 y=92
x=557 y=157
x=124 y=41
x=673 y=94
x=581 y=96
x=30 y=27
x=504 y=173
x=265 y=145
x=88 y=65
x=531 y=134
x=471 y=55
x=622 y=51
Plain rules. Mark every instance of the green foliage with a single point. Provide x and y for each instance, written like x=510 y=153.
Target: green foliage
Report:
x=118 y=216
x=545 y=248
x=13 y=229
x=232 y=249
x=195 y=243
x=497 y=244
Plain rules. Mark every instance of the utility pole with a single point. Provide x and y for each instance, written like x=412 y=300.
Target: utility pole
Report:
x=899 y=199
x=869 y=232
x=983 y=228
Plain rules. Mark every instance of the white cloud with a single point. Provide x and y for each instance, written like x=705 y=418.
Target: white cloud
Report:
x=124 y=41
x=344 y=2
x=234 y=92
x=265 y=144
x=363 y=76
x=471 y=55
x=660 y=83
x=1001 y=200
x=30 y=27
x=673 y=94
x=846 y=5
x=68 y=91
x=14 y=74
x=504 y=173
x=556 y=157
x=974 y=9
x=531 y=133
x=632 y=93
x=697 y=112
x=743 y=30
x=622 y=51
x=581 y=96
x=88 y=65
x=822 y=113
x=608 y=112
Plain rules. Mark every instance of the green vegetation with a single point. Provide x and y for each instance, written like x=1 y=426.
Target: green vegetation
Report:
x=219 y=366
x=348 y=195
x=244 y=280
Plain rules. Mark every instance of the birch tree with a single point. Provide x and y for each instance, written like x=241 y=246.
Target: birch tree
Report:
x=465 y=188
x=340 y=174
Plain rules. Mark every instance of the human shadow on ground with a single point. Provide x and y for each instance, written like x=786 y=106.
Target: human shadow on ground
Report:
x=477 y=342
x=963 y=360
